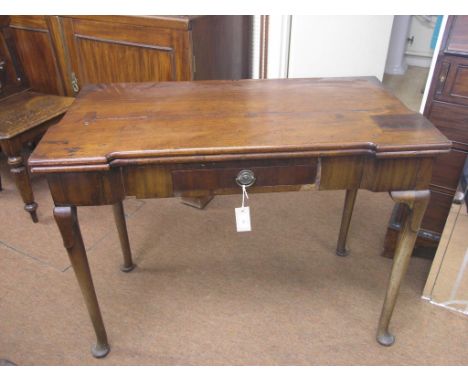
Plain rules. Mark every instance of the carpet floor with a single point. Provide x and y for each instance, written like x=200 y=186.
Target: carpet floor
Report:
x=202 y=294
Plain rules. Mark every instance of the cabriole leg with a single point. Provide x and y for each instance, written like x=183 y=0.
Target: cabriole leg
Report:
x=417 y=202
x=345 y=221
x=67 y=221
x=119 y=217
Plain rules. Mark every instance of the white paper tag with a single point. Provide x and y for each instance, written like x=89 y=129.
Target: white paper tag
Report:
x=243 y=219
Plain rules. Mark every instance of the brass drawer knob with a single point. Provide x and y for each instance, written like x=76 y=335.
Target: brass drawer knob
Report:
x=245 y=178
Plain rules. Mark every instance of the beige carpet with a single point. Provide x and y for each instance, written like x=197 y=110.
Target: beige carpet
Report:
x=203 y=294
x=409 y=88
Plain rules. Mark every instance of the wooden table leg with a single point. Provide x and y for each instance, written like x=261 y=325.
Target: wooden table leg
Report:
x=23 y=183
x=119 y=217
x=67 y=221
x=345 y=221
x=417 y=202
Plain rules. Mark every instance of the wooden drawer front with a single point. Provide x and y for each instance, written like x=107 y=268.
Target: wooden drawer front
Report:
x=223 y=177
x=437 y=212
x=452 y=120
x=453 y=80
x=447 y=169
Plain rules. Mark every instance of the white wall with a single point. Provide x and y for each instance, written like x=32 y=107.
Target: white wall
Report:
x=256 y=48
x=334 y=46
x=279 y=29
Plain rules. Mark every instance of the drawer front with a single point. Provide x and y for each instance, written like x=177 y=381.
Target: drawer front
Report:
x=448 y=169
x=221 y=177
x=452 y=85
x=437 y=212
x=452 y=120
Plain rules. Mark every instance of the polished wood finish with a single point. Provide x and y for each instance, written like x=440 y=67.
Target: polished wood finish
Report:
x=67 y=222
x=227 y=120
x=119 y=217
x=350 y=199
x=100 y=52
x=36 y=52
x=23 y=111
x=457 y=36
x=157 y=140
x=222 y=47
x=61 y=54
x=447 y=170
x=447 y=109
x=440 y=204
x=24 y=117
x=451 y=119
x=23 y=184
x=417 y=202
x=220 y=178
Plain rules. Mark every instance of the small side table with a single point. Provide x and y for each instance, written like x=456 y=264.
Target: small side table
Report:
x=24 y=118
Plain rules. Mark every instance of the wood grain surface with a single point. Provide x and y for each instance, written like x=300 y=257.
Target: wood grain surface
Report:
x=25 y=110
x=228 y=120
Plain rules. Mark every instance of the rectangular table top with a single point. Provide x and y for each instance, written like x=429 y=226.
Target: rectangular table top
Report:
x=174 y=121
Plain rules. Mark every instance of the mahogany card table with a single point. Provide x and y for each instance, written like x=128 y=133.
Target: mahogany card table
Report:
x=195 y=139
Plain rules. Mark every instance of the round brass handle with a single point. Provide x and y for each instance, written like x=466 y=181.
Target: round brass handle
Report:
x=245 y=178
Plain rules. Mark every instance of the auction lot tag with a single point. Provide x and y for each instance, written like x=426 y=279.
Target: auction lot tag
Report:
x=243 y=219
x=243 y=214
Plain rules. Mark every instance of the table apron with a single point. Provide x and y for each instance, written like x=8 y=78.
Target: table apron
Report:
x=278 y=175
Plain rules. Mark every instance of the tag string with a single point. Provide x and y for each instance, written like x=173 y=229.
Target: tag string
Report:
x=244 y=194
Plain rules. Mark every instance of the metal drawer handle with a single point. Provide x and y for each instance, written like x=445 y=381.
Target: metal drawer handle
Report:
x=245 y=178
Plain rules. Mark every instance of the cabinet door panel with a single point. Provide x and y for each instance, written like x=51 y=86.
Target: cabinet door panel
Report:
x=437 y=212
x=103 y=52
x=121 y=62
x=452 y=120
x=453 y=81
x=447 y=169
x=33 y=44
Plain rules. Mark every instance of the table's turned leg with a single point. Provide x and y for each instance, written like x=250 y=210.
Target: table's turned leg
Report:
x=119 y=217
x=67 y=221
x=417 y=202
x=23 y=183
x=345 y=221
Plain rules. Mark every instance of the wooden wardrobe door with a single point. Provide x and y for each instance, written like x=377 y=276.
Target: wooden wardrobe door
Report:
x=105 y=51
x=36 y=52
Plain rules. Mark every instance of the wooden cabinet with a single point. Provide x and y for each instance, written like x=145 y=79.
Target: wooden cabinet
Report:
x=61 y=54
x=130 y=51
x=451 y=85
x=446 y=108
x=35 y=53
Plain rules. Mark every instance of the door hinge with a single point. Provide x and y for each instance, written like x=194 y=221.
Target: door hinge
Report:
x=74 y=83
